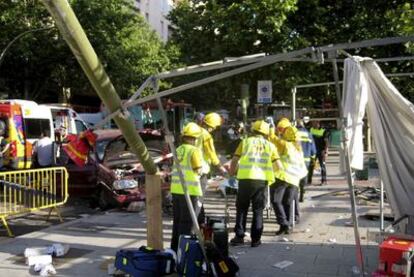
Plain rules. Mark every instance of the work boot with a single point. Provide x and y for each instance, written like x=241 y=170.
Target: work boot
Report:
x=256 y=243
x=237 y=241
x=323 y=183
x=284 y=229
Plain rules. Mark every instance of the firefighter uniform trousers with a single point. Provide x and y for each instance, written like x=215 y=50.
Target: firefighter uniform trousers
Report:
x=250 y=191
x=281 y=196
x=285 y=189
x=182 y=223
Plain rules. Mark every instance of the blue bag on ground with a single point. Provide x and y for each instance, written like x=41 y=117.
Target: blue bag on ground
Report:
x=189 y=257
x=144 y=262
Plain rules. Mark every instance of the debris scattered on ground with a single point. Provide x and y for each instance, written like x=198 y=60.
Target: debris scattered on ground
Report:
x=39 y=260
x=41 y=257
x=284 y=239
x=340 y=217
x=355 y=270
x=307 y=230
x=241 y=252
x=332 y=240
x=283 y=264
x=136 y=206
x=45 y=270
x=349 y=223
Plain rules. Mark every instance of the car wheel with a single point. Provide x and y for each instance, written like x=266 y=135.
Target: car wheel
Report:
x=103 y=201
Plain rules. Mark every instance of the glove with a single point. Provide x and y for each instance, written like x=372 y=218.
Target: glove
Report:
x=232 y=182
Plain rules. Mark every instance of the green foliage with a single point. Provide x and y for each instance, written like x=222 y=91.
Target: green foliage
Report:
x=214 y=29
x=128 y=48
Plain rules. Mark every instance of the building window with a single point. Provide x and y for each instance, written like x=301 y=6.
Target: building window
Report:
x=147 y=16
x=162 y=29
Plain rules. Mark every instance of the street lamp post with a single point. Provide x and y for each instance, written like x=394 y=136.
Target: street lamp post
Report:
x=3 y=53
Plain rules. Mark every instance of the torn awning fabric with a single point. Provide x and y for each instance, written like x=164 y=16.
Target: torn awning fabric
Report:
x=77 y=147
x=391 y=117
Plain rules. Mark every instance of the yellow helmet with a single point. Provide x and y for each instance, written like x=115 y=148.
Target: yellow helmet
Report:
x=191 y=130
x=261 y=127
x=213 y=120
x=290 y=133
x=283 y=123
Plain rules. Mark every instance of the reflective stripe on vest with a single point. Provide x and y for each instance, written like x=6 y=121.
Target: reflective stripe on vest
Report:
x=205 y=166
x=317 y=132
x=191 y=178
x=255 y=162
x=294 y=167
x=303 y=136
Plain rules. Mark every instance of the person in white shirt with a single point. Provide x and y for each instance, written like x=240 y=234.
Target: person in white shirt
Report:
x=44 y=150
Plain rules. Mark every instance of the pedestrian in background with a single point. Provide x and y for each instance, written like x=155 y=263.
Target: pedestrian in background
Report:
x=43 y=150
x=320 y=136
x=189 y=157
x=255 y=162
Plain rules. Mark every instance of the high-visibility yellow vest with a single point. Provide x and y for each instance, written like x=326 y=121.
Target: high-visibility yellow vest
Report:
x=294 y=168
x=191 y=178
x=317 y=132
x=255 y=161
x=205 y=169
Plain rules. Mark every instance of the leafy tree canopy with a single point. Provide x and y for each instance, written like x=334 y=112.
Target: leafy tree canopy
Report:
x=214 y=29
x=40 y=64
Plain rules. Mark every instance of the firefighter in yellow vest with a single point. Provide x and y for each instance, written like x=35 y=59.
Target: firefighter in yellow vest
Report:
x=4 y=145
x=285 y=189
x=205 y=143
x=255 y=162
x=191 y=162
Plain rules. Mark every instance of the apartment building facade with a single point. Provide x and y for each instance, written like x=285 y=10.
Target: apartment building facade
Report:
x=155 y=13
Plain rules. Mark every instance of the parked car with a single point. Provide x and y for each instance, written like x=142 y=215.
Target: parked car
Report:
x=113 y=175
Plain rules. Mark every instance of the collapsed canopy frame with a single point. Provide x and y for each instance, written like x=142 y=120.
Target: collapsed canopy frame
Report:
x=252 y=62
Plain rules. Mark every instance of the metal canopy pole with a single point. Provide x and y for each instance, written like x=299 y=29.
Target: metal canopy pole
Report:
x=294 y=105
x=360 y=257
x=366 y=43
x=382 y=227
x=266 y=62
x=169 y=137
x=231 y=62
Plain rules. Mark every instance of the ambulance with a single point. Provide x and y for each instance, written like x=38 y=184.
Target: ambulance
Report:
x=65 y=121
x=25 y=122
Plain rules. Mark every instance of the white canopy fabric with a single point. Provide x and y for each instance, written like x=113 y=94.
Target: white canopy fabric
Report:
x=391 y=117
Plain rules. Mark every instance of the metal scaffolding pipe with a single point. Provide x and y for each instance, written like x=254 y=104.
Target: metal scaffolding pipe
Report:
x=220 y=76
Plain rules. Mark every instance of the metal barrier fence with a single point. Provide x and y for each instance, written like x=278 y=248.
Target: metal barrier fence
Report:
x=26 y=191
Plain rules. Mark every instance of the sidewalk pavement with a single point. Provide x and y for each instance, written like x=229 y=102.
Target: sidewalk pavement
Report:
x=321 y=245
